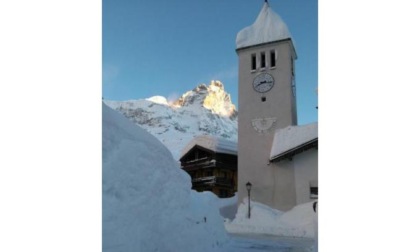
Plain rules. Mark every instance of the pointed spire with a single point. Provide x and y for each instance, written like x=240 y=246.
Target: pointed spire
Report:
x=267 y=27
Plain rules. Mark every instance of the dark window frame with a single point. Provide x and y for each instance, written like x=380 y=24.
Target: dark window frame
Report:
x=263 y=60
x=253 y=61
x=313 y=190
x=272 y=58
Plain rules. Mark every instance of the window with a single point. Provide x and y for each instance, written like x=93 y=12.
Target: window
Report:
x=314 y=192
x=253 y=62
x=262 y=59
x=273 y=58
x=263 y=99
x=209 y=173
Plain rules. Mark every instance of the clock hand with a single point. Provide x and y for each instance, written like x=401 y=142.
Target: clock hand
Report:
x=262 y=82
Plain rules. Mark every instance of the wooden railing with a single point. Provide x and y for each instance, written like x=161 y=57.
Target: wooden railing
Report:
x=204 y=163
x=212 y=180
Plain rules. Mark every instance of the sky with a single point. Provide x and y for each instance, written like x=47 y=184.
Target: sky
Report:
x=167 y=47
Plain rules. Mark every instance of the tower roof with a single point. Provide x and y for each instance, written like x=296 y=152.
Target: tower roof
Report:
x=268 y=27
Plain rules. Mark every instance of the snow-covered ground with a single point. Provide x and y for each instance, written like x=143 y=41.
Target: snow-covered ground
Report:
x=264 y=243
x=270 y=229
x=298 y=222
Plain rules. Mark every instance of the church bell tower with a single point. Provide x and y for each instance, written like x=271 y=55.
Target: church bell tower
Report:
x=267 y=101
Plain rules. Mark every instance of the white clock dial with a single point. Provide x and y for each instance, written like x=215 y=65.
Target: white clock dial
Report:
x=263 y=83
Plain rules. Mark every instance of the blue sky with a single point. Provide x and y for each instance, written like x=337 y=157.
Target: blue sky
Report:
x=166 y=48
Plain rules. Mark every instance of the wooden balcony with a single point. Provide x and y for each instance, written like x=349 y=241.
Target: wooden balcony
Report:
x=212 y=181
x=206 y=163
x=198 y=164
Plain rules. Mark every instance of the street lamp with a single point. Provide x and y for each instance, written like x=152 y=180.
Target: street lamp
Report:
x=248 y=187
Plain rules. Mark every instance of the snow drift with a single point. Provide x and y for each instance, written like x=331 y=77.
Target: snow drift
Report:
x=298 y=222
x=147 y=204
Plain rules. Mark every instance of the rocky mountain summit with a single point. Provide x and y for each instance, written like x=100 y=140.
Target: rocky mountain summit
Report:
x=205 y=110
x=213 y=98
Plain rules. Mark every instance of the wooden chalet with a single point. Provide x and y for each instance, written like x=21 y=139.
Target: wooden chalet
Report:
x=212 y=164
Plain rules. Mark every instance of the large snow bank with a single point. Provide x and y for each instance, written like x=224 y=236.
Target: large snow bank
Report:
x=298 y=222
x=147 y=201
x=228 y=206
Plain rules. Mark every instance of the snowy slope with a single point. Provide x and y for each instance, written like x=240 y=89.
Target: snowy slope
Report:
x=205 y=110
x=147 y=201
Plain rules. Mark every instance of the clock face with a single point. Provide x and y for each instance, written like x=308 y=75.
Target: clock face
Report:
x=263 y=82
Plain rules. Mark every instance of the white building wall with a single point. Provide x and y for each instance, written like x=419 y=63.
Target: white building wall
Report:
x=282 y=189
x=306 y=172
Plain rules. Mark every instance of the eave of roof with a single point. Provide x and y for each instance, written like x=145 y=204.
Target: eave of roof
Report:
x=288 y=40
x=292 y=152
x=211 y=144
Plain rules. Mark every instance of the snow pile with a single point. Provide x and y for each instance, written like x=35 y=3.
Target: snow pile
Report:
x=298 y=222
x=228 y=206
x=268 y=27
x=147 y=201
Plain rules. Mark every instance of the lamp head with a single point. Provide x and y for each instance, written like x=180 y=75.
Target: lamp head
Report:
x=248 y=186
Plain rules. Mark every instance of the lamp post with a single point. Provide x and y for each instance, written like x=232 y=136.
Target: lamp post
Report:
x=248 y=187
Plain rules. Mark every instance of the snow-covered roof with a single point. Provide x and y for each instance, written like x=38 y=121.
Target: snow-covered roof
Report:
x=268 y=27
x=292 y=137
x=216 y=144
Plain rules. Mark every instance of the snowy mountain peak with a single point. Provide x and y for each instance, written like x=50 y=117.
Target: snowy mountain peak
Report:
x=212 y=97
x=204 y=110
